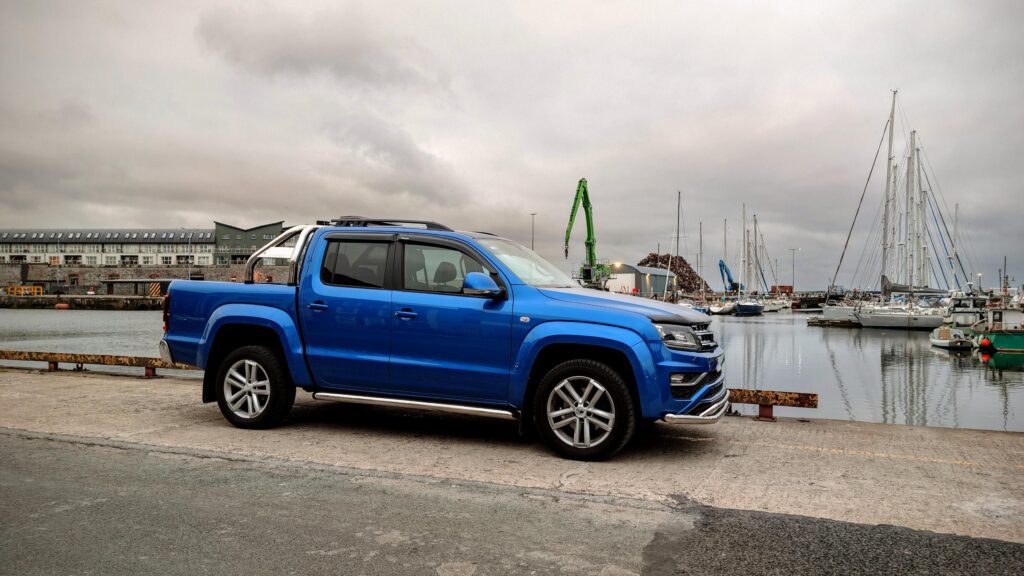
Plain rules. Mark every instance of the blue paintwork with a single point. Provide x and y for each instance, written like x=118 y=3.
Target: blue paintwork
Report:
x=452 y=347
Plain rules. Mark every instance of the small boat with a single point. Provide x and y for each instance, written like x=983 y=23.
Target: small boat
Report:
x=749 y=308
x=950 y=339
x=727 y=307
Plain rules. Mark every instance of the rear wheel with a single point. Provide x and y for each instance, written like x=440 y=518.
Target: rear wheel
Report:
x=253 y=388
x=583 y=410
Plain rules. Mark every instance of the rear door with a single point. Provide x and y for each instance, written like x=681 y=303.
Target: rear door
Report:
x=345 y=306
x=445 y=344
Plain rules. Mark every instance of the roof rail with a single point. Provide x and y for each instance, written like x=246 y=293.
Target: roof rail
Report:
x=362 y=221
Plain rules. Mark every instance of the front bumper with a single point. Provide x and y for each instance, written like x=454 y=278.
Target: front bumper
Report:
x=707 y=410
x=165 y=352
x=709 y=416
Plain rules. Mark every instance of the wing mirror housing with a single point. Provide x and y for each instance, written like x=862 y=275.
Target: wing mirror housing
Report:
x=480 y=284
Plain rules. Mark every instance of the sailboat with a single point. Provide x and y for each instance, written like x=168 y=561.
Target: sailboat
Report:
x=745 y=305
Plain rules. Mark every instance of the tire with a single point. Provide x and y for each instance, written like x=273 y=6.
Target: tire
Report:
x=244 y=405
x=583 y=410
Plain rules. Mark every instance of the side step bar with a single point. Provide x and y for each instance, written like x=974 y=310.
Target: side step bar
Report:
x=416 y=405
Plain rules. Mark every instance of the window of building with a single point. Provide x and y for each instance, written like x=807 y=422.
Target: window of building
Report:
x=147 y=260
x=108 y=235
x=437 y=269
x=4 y=235
x=166 y=260
x=110 y=260
x=90 y=260
x=38 y=259
x=357 y=264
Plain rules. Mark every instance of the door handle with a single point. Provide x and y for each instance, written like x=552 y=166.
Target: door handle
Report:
x=406 y=313
x=316 y=306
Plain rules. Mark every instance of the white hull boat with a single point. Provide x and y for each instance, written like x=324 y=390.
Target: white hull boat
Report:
x=950 y=339
x=839 y=313
x=899 y=319
x=723 y=308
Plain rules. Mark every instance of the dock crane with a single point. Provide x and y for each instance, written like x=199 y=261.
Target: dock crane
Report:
x=592 y=274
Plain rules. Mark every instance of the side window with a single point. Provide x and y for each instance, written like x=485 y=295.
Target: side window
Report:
x=437 y=269
x=355 y=263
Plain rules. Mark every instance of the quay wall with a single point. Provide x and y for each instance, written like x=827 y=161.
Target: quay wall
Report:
x=78 y=280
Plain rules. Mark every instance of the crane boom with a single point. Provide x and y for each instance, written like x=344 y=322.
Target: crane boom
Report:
x=583 y=197
x=593 y=274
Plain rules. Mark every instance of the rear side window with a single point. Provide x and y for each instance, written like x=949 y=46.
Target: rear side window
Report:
x=355 y=263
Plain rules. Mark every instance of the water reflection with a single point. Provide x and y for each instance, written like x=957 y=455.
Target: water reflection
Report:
x=873 y=375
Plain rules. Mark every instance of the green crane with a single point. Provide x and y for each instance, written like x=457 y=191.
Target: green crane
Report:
x=593 y=274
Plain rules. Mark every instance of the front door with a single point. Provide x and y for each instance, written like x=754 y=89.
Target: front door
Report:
x=346 y=313
x=445 y=344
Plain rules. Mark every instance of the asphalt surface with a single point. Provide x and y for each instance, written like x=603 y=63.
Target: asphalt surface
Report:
x=78 y=505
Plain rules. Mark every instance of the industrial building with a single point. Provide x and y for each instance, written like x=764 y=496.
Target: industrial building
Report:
x=648 y=282
x=130 y=247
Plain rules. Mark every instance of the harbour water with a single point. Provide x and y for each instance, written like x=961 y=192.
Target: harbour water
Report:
x=859 y=374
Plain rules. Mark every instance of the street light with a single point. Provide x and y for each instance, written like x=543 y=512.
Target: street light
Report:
x=533 y=220
x=792 y=278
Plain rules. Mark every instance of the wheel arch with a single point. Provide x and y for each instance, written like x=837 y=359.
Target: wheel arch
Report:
x=236 y=325
x=547 y=346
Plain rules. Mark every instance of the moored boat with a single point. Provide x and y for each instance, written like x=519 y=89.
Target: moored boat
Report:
x=1001 y=331
x=950 y=338
x=749 y=308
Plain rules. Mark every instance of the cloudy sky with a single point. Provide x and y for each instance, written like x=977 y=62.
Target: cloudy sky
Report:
x=478 y=113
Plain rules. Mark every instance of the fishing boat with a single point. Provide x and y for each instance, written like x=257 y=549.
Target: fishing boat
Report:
x=950 y=339
x=1002 y=330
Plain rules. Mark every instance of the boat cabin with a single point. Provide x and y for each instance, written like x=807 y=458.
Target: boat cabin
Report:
x=1005 y=319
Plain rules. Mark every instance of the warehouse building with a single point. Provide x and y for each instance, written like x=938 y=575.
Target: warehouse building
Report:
x=131 y=247
x=646 y=281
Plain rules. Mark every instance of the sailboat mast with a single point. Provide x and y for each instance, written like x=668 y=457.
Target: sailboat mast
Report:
x=886 y=240
x=756 y=264
x=956 y=233
x=743 y=253
x=909 y=216
x=922 y=226
x=700 y=259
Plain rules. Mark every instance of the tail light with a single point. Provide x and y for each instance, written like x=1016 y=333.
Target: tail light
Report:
x=166 y=306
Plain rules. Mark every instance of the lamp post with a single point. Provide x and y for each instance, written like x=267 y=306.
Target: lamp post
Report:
x=792 y=277
x=188 y=254
x=533 y=220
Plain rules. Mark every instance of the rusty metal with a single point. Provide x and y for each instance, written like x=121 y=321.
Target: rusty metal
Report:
x=54 y=358
x=764 y=413
x=773 y=398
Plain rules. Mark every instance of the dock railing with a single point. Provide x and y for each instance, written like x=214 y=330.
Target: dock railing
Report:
x=764 y=399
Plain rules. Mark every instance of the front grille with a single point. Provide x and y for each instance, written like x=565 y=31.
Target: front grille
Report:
x=687 y=392
x=710 y=397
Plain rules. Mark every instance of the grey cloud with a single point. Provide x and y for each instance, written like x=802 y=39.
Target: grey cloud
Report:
x=349 y=44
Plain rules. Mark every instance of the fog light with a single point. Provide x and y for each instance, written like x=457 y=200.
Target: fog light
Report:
x=677 y=378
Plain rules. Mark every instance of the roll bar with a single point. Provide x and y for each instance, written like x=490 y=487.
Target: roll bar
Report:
x=275 y=249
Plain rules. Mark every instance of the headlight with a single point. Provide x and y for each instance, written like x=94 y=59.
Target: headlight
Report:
x=678 y=337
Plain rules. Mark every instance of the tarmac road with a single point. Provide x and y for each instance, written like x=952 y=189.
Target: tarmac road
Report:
x=77 y=506
x=108 y=474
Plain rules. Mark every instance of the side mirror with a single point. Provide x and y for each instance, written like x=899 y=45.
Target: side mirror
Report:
x=480 y=284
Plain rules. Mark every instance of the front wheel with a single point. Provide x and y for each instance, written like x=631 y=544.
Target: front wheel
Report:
x=583 y=410
x=253 y=388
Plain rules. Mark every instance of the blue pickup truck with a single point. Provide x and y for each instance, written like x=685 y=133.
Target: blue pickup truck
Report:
x=415 y=315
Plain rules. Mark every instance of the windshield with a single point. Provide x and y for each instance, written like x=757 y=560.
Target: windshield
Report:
x=529 y=266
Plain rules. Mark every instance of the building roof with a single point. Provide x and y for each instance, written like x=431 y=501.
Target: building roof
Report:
x=106 y=235
x=654 y=271
x=275 y=224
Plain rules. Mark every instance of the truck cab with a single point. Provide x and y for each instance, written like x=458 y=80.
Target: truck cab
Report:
x=415 y=315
